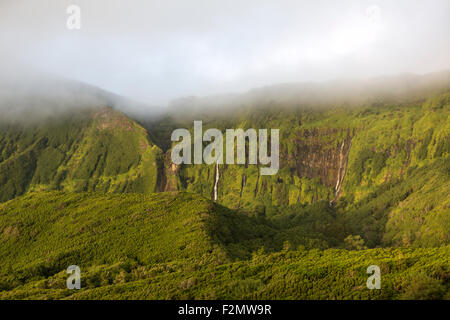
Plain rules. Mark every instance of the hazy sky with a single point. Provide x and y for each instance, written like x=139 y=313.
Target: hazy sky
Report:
x=153 y=51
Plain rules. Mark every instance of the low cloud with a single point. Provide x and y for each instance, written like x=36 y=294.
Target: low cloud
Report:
x=155 y=51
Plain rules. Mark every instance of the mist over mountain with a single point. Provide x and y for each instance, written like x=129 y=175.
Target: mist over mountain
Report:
x=344 y=92
x=154 y=52
x=32 y=97
x=356 y=95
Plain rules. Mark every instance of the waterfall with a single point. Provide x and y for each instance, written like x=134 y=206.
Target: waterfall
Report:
x=243 y=183
x=338 y=182
x=216 y=182
x=343 y=158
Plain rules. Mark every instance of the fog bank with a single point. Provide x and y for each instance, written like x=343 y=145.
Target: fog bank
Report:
x=155 y=51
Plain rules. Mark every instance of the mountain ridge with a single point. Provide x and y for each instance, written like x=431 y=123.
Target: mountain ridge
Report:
x=357 y=186
x=341 y=155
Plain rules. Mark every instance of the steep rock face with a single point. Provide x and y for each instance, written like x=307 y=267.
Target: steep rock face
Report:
x=313 y=170
x=325 y=154
x=383 y=168
x=319 y=154
x=167 y=174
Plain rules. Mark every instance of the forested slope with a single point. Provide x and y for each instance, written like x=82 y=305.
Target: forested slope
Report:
x=96 y=149
x=183 y=246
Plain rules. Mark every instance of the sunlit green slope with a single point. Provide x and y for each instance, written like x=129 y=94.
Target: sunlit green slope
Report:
x=183 y=246
x=383 y=165
x=82 y=150
x=42 y=233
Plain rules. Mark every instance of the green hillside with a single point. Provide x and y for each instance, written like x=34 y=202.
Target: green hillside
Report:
x=183 y=246
x=52 y=229
x=97 y=149
x=383 y=166
x=364 y=179
x=369 y=146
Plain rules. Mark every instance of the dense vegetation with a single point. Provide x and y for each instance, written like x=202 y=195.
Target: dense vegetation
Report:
x=183 y=246
x=383 y=166
x=361 y=182
x=96 y=149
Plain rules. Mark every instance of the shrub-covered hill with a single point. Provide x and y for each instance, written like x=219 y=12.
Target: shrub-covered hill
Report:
x=181 y=245
x=42 y=233
x=90 y=149
x=289 y=274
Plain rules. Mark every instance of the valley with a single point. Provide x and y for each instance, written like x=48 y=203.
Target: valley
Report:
x=363 y=179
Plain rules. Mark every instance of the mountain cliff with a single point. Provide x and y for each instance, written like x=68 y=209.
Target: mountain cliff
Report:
x=363 y=179
x=377 y=156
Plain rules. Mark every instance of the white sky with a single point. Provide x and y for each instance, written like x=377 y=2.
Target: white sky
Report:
x=154 y=51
